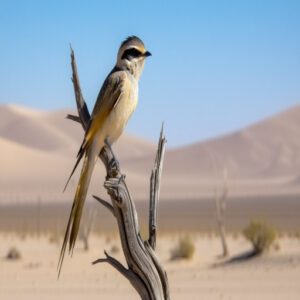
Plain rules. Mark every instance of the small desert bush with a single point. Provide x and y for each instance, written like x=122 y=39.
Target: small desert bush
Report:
x=235 y=235
x=108 y=239
x=261 y=235
x=114 y=249
x=276 y=247
x=185 y=249
x=54 y=238
x=297 y=234
x=13 y=254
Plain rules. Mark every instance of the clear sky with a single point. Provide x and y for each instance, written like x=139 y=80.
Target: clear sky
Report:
x=216 y=65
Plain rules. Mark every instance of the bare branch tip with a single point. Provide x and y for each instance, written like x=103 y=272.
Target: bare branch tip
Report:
x=71 y=49
x=162 y=128
x=106 y=254
x=100 y=260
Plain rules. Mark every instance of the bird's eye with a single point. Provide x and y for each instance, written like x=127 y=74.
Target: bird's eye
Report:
x=131 y=53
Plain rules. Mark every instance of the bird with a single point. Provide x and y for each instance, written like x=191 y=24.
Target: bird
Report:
x=116 y=101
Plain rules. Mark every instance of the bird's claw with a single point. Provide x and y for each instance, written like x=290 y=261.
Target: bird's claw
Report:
x=114 y=168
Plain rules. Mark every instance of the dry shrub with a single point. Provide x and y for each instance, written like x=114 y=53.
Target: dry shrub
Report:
x=261 y=235
x=280 y=234
x=23 y=236
x=276 y=247
x=114 y=249
x=108 y=239
x=235 y=235
x=13 y=254
x=185 y=249
x=297 y=234
x=54 y=238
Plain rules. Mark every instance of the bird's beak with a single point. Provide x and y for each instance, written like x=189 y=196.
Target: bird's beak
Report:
x=147 y=53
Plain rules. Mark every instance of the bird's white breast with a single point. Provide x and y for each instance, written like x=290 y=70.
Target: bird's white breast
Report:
x=121 y=113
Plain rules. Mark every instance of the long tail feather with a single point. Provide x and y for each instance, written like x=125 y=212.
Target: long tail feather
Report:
x=79 y=157
x=79 y=199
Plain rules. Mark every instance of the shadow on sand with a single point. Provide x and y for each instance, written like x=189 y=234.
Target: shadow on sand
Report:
x=240 y=258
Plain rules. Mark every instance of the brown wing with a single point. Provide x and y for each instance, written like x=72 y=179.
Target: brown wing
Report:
x=113 y=87
x=111 y=90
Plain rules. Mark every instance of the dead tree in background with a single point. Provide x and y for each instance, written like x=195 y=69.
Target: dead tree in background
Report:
x=144 y=271
x=220 y=201
x=86 y=228
x=38 y=218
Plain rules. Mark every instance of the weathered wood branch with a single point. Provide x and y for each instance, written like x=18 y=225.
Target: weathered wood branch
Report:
x=127 y=273
x=155 y=188
x=83 y=112
x=144 y=272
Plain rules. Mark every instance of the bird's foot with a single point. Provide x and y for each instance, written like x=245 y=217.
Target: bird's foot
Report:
x=114 y=168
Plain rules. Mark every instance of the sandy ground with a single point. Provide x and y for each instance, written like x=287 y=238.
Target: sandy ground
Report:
x=272 y=276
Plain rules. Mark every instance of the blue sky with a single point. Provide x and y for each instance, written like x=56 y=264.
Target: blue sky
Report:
x=217 y=65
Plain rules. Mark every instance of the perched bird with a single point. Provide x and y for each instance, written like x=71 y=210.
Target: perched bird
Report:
x=115 y=103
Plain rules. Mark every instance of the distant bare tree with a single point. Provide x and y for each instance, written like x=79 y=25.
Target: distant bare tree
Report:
x=87 y=227
x=220 y=201
x=38 y=217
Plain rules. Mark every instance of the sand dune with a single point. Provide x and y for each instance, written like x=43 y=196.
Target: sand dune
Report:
x=270 y=148
x=261 y=159
x=50 y=131
x=39 y=148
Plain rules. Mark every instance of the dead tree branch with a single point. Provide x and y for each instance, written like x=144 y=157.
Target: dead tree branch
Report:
x=144 y=272
x=155 y=188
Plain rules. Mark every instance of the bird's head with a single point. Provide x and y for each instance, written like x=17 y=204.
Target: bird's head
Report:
x=132 y=55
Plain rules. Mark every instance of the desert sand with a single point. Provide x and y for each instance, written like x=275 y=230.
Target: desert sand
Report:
x=271 y=276
x=38 y=150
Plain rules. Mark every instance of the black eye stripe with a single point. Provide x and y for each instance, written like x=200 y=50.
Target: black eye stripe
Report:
x=131 y=52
